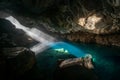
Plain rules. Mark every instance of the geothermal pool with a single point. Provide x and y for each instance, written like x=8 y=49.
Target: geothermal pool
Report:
x=106 y=59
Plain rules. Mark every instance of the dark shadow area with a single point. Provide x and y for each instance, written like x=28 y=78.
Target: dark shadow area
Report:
x=45 y=65
x=75 y=72
x=12 y=37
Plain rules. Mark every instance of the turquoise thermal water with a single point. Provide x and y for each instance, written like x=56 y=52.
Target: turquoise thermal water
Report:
x=106 y=58
x=71 y=49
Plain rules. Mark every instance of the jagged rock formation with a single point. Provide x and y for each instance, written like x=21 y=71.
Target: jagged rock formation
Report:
x=91 y=21
x=75 y=69
x=87 y=21
x=108 y=39
x=96 y=17
x=80 y=20
x=37 y=6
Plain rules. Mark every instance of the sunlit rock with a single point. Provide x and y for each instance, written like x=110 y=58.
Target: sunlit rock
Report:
x=96 y=18
x=90 y=22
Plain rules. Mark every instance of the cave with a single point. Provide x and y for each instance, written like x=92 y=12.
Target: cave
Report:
x=59 y=40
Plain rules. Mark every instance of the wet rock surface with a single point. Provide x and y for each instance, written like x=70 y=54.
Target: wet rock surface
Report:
x=108 y=39
x=75 y=69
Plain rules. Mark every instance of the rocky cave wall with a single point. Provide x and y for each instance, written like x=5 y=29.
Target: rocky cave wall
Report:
x=99 y=17
x=90 y=21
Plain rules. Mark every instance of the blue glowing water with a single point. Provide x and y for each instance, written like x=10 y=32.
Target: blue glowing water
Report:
x=106 y=59
x=69 y=47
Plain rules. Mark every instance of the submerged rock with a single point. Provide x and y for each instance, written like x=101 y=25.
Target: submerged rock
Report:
x=16 y=61
x=75 y=69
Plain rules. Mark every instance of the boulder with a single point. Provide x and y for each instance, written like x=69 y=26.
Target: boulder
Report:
x=75 y=69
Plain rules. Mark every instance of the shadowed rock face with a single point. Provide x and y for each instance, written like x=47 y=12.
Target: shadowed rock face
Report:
x=75 y=72
x=89 y=21
x=15 y=61
x=106 y=39
x=10 y=36
x=91 y=16
x=37 y=6
x=75 y=69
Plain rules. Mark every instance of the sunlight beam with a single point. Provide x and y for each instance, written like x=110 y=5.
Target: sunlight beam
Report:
x=35 y=34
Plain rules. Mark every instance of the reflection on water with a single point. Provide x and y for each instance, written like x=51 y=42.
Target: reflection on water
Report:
x=106 y=59
x=69 y=48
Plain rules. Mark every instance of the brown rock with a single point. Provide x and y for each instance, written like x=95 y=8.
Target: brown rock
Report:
x=75 y=69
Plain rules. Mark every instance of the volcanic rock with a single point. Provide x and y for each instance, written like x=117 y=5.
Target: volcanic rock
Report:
x=75 y=69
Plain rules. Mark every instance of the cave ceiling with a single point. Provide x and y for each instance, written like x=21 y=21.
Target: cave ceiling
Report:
x=66 y=16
